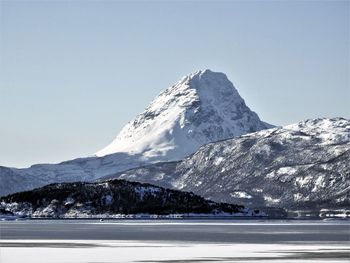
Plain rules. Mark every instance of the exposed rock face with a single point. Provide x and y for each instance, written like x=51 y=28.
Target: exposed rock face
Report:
x=304 y=166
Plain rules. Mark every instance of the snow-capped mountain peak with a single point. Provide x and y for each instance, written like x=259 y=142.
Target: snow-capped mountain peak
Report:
x=200 y=108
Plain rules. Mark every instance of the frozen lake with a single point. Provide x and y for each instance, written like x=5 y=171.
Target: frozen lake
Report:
x=174 y=241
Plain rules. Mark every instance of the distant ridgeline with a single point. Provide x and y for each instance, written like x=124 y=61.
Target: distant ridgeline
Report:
x=197 y=136
x=303 y=168
x=112 y=198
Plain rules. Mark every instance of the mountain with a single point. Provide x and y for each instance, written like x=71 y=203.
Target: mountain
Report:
x=112 y=198
x=202 y=107
x=299 y=167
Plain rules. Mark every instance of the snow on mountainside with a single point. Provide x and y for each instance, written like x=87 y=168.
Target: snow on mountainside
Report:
x=201 y=108
x=303 y=166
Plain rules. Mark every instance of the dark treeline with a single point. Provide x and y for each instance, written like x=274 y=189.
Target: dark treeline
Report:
x=117 y=197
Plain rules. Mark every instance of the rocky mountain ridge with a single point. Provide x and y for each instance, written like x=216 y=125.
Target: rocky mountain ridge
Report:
x=303 y=166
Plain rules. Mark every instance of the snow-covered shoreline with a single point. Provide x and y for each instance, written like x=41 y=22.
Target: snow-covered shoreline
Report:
x=47 y=251
x=139 y=216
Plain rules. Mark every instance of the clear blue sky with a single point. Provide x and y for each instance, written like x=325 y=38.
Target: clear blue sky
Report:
x=73 y=73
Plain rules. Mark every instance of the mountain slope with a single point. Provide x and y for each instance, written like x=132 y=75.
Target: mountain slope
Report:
x=304 y=166
x=201 y=108
x=110 y=198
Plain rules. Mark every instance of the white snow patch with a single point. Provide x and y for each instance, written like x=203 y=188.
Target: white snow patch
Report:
x=69 y=201
x=286 y=170
x=303 y=181
x=319 y=183
x=271 y=200
x=198 y=183
x=218 y=160
x=300 y=197
x=241 y=194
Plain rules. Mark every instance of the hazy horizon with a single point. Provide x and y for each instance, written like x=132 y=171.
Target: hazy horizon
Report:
x=74 y=73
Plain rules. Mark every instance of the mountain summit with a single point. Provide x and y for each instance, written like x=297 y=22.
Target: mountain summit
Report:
x=202 y=107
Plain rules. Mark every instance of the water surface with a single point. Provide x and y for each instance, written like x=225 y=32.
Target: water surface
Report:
x=169 y=241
